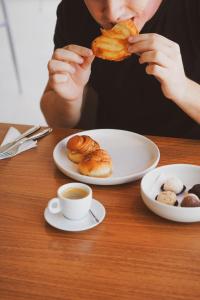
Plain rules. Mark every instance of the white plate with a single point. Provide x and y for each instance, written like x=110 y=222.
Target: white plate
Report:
x=60 y=222
x=132 y=154
x=150 y=188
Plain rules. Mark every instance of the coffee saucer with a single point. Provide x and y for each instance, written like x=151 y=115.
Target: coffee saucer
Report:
x=94 y=217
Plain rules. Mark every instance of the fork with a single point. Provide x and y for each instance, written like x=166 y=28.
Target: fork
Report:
x=21 y=136
x=13 y=151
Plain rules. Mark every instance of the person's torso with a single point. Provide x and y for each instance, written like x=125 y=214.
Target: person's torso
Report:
x=129 y=98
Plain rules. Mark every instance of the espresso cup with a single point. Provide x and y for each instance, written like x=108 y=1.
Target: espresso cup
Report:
x=73 y=200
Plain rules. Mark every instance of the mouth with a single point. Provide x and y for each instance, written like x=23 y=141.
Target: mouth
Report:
x=111 y=25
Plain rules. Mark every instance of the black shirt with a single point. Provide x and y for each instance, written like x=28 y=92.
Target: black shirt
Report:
x=129 y=98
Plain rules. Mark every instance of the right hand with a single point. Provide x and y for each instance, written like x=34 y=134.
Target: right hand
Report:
x=69 y=71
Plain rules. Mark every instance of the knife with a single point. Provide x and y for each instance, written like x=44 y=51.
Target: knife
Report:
x=38 y=135
x=12 y=150
x=21 y=136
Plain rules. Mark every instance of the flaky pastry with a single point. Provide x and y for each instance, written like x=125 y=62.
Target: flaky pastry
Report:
x=97 y=164
x=80 y=145
x=113 y=43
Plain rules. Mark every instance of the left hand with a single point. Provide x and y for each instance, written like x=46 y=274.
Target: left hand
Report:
x=164 y=61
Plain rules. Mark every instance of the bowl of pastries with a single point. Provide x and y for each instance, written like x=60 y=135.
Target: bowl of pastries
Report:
x=113 y=44
x=173 y=192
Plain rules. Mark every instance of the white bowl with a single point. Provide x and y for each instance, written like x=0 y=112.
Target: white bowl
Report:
x=150 y=188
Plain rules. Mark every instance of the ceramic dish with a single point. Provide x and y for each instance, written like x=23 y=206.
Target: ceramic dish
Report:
x=60 y=222
x=132 y=154
x=150 y=188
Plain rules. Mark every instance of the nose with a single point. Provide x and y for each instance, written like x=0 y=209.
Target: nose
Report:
x=114 y=12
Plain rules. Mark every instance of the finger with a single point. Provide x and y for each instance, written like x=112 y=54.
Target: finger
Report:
x=67 y=56
x=82 y=51
x=58 y=78
x=152 y=38
x=153 y=42
x=156 y=57
x=144 y=46
x=56 y=66
x=87 y=62
x=157 y=71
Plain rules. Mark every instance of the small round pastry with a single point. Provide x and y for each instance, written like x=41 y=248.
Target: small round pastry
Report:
x=167 y=197
x=113 y=43
x=190 y=200
x=195 y=190
x=80 y=145
x=96 y=164
x=173 y=184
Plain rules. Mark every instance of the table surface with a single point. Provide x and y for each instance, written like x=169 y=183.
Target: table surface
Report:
x=133 y=254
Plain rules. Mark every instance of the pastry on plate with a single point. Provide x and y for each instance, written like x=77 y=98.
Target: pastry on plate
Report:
x=113 y=43
x=96 y=164
x=80 y=145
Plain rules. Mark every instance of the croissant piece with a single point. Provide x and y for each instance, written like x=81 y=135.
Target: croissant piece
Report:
x=97 y=164
x=113 y=43
x=80 y=145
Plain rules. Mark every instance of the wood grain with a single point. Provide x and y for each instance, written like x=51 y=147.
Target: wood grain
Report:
x=133 y=254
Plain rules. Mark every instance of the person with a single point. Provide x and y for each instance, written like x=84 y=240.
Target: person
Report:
x=154 y=93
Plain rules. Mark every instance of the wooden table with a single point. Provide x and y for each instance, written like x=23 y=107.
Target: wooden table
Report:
x=133 y=254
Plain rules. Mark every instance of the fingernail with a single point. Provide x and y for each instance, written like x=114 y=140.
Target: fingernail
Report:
x=131 y=39
x=81 y=61
x=89 y=52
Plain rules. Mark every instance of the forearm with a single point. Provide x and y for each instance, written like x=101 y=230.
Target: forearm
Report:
x=60 y=112
x=190 y=102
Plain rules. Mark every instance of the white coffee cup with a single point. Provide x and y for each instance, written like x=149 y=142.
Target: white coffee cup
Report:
x=73 y=200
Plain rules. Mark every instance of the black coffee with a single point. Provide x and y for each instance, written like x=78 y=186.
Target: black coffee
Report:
x=75 y=193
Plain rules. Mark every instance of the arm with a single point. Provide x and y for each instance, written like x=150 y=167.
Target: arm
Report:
x=165 y=63
x=69 y=71
x=190 y=102
x=58 y=111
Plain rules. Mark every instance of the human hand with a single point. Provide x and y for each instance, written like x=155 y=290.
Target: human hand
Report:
x=69 y=71
x=164 y=61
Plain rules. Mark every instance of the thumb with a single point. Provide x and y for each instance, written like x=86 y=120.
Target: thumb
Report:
x=87 y=62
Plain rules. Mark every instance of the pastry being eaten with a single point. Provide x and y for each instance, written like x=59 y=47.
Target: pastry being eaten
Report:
x=113 y=43
x=80 y=145
x=97 y=164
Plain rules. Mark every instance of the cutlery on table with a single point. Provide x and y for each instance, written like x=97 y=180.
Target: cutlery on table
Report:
x=12 y=151
x=93 y=215
x=21 y=136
